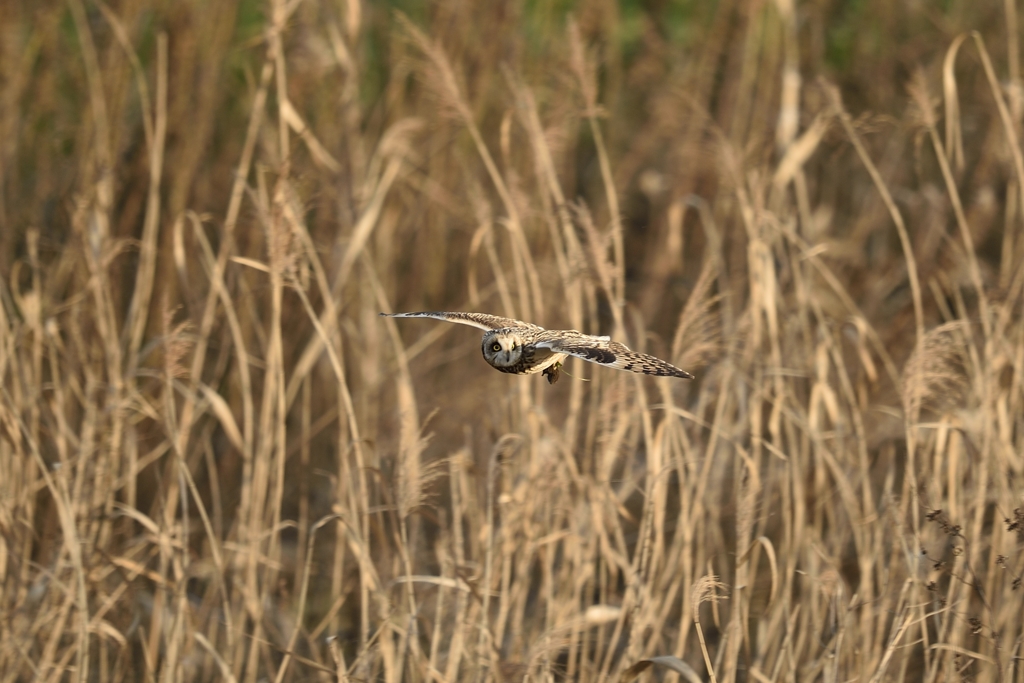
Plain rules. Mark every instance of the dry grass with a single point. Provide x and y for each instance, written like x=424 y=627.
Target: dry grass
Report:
x=218 y=463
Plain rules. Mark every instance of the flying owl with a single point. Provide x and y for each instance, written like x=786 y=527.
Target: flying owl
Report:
x=520 y=348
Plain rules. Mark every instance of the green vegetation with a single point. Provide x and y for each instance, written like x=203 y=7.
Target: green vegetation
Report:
x=218 y=463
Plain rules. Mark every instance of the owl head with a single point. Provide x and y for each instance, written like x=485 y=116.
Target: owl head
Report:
x=502 y=348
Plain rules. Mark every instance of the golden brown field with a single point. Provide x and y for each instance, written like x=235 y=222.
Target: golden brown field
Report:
x=217 y=463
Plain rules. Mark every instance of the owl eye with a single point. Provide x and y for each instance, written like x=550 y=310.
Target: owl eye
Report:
x=495 y=346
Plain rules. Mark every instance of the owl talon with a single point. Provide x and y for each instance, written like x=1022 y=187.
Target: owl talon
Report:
x=553 y=372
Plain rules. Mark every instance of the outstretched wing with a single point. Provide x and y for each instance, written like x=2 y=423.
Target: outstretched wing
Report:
x=481 y=320
x=612 y=354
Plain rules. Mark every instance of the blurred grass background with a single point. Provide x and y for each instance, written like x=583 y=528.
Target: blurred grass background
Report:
x=218 y=463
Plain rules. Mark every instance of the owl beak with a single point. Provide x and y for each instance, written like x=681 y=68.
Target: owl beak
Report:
x=508 y=356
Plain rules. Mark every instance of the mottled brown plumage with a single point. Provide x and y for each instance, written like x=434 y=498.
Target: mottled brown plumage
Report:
x=520 y=348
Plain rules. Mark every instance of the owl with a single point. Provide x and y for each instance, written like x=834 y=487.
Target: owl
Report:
x=520 y=348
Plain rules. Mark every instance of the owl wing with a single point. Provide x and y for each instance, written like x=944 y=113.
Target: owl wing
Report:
x=482 y=320
x=603 y=351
